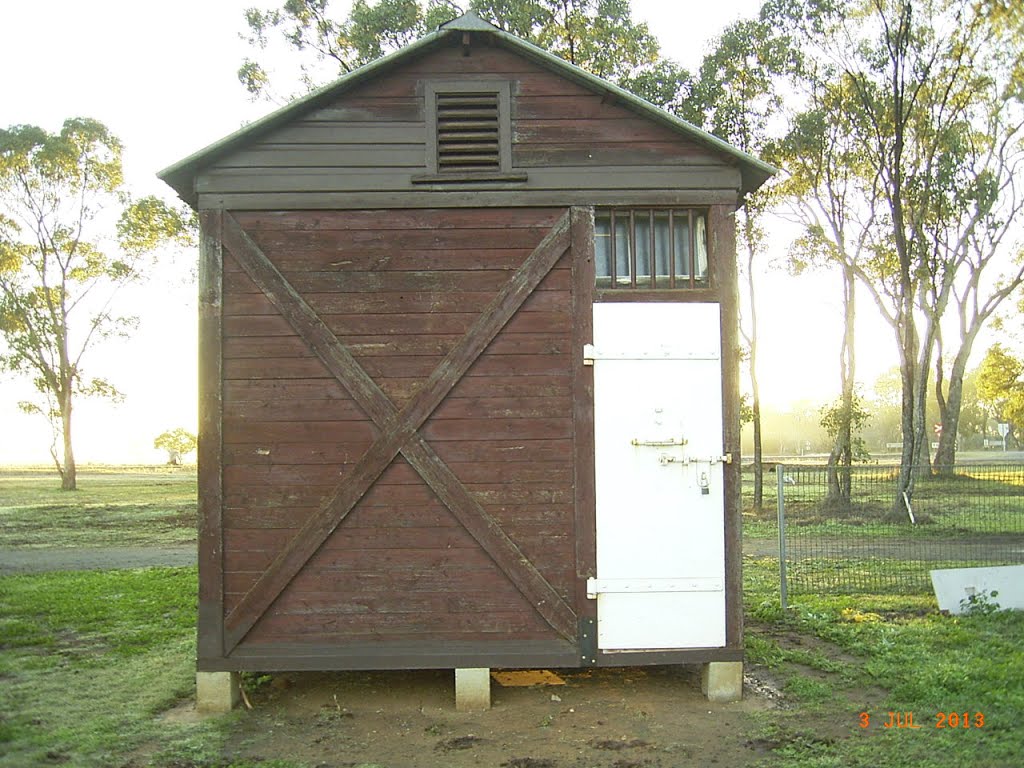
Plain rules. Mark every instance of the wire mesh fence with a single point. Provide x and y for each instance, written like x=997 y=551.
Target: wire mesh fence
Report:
x=862 y=536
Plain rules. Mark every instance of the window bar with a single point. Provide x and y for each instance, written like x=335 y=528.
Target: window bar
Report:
x=632 y=249
x=654 y=258
x=671 y=249
x=693 y=250
x=613 y=257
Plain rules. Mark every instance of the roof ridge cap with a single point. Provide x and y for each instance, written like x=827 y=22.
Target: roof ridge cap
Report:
x=469 y=22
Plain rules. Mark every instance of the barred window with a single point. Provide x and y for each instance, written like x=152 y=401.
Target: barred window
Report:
x=651 y=248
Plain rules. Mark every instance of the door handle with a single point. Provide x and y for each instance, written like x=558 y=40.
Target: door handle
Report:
x=664 y=459
x=658 y=443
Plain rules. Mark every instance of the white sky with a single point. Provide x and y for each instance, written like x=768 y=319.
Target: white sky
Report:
x=161 y=76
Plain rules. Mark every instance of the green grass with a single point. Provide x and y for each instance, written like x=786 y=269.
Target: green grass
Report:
x=979 y=499
x=88 y=661
x=920 y=661
x=113 y=507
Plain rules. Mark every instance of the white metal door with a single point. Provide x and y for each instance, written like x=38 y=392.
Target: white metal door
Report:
x=658 y=452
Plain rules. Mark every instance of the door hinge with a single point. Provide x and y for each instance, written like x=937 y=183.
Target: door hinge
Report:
x=588 y=642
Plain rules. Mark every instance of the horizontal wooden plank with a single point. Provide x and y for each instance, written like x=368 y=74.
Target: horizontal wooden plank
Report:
x=513 y=619
x=470 y=559
x=573 y=129
x=370 y=110
x=376 y=654
x=429 y=197
x=493 y=497
x=528 y=155
x=517 y=518
x=589 y=106
x=393 y=367
x=387 y=237
x=413 y=324
x=337 y=409
x=343 y=132
x=482 y=60
x=440 y=279
x=452 y=452
x=382 y=603
x=270 y=432
x=522 y=623
x=389 y=346
x=681 y=656
x=316 y=223
x=371 y=584
x=310 y=432
x=415 y=302
x=346 y=539
x=280 y=475
x=295 y=497
x=470 y=386
x=377 y=578
x=333 y=180
x=308 y=253
x=411 y=157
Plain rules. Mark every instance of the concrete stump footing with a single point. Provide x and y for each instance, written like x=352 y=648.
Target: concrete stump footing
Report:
x=722 y=681
x=472 y=689
x=216 y=692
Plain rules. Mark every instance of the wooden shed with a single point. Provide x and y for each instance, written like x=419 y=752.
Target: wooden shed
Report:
x=469 y=374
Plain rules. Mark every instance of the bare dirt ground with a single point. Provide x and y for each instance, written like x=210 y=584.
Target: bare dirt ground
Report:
x=650 y=717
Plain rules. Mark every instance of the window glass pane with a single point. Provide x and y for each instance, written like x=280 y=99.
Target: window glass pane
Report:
x=663 y=258
x=632 y=243
x=622 y=251
x=603 y=249
x=642 y=228
x=701 y=242
x=681 y=225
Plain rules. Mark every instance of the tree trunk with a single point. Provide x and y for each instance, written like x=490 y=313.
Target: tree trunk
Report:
x=755 y=390
x=758 y=449
x=950 y=405
x=922 y=452
x=905 y=480
x=840 y=460
x=945 y=456
x=69 y=472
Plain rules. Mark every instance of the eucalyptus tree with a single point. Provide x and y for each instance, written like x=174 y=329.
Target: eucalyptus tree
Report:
x=734 y=97
x=70 y=238
x=1001 y=387
x=916 y=79
x=835 y=197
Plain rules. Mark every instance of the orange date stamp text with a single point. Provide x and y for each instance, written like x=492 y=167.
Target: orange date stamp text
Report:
x=905 y=720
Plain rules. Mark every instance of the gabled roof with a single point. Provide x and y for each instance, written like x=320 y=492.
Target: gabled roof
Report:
x=181 y=175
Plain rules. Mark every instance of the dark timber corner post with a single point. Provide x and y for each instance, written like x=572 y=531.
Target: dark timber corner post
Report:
x=215 y=691
x=723 y=681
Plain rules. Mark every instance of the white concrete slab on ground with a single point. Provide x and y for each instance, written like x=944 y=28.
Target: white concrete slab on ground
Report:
x=1000 y=585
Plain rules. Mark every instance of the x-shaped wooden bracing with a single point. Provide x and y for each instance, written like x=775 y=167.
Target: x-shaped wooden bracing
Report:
x=399 y=430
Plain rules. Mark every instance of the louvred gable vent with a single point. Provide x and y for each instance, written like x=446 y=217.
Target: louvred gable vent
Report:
x=467 y=132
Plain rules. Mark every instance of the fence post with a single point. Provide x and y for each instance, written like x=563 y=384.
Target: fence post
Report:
x=780 y=496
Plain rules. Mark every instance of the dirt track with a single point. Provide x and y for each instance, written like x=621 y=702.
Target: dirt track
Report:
x=28 y=560
x=989 y=548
